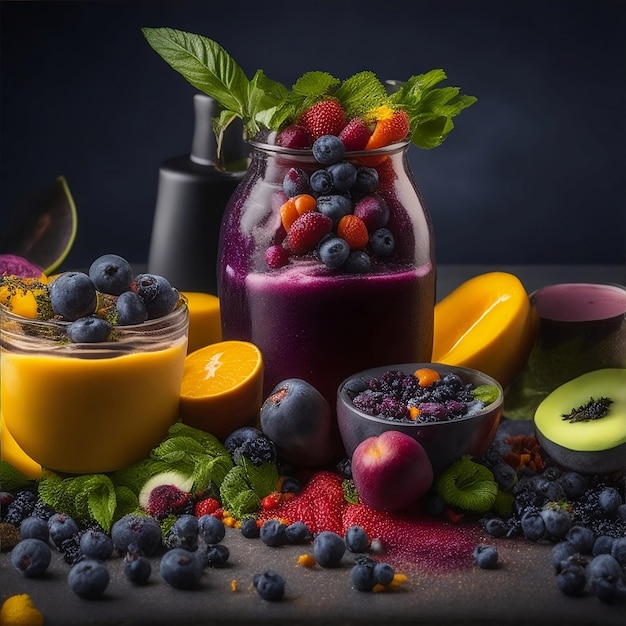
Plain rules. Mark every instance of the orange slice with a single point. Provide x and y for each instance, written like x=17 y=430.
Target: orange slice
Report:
x=222 y=387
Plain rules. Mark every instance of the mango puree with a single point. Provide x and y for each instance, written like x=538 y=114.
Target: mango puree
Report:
x=81 y=415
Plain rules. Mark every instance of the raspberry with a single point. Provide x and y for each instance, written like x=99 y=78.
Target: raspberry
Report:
x=324 y=118
x=208 y=506
x=306 y=232
x=355 y=134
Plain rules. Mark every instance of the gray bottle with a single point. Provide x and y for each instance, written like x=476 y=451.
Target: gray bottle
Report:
x=193 y=191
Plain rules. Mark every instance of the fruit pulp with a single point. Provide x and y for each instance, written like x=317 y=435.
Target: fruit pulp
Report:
x=310 y=321
x=84 y=404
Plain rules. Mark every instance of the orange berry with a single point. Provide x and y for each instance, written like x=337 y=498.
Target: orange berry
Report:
x=304 y=203
x=413 y=412
x=288 y=213
x=426 y=375
x=353 y=230
x=389 y=129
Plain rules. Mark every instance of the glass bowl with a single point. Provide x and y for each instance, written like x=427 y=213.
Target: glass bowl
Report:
x=444 y=441
x=90 y=407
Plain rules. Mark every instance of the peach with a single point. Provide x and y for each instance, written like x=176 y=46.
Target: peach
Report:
x=391 y=471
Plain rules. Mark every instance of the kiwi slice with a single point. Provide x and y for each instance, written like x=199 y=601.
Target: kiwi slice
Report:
x=42 y=228
x=582 y=424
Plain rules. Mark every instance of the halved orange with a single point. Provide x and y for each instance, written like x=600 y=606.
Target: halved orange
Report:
x=222 y=387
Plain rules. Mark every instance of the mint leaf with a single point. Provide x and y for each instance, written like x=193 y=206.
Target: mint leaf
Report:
x=102 y=500
x=204 y=64
x=361 y=93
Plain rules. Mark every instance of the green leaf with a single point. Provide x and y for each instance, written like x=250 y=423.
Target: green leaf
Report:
x=11 y=478
x=204 y=64
x=127 y=502
x=314 y=85
x=102 y=500
x=486 y=393
x=361 y=93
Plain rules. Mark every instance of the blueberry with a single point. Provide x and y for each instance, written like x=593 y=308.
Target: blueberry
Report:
x=216 y=555
x=606 y=577
x=296 y=182
x=571 y=578
x=358 y=262
x=602 y=545
x=31 y=556
x=131 y=309
x=486 y=557
x=34 y=527
x=290 y=484
x=96 y=544
x=343 y=175
x=89 y=329
x=111 y=273
x=158 y=295
x=89 y=578
x=505 y=475
x=496 y=527
x=184 y=532
x=328 y=548
x=609 y=500
x=366 y=179
x=321 y=181
x=384 y=574
x=249 y=528
x=269 y=585
x=211 y=529
x=334 y=206
x=73 y=295
x=334 y=252
x=142 y=531
x=582 y=538
x=573 y=484
x=363 y=577
x=328 y=149
x=137 y=568
x=557 y=521
x=357 y=539
x=251 y=443
x=618 y=550
x=180 y=568
x=298 y=533
x=533 y=526
x=61 y=527
x=382 y=243
x=562 y=551
x=272 y=533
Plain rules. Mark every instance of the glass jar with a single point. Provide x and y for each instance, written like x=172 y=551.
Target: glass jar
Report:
x=90 y=407
x=317 y=323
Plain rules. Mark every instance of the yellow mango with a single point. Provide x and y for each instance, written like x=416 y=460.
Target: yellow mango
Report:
x=486 y=324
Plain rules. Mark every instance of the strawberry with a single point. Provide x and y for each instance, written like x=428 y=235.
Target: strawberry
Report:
x=320 y=505
x=355 y=134
x=325 y=117
x=306 y=232
x=391 y=126
x=207 y=506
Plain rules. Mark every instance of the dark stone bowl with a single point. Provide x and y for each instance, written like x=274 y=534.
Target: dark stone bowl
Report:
x=446 y=441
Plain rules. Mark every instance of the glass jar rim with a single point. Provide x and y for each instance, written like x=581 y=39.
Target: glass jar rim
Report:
x=306 y=152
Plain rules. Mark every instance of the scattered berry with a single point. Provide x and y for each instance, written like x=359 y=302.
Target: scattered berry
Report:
x=306 y=232
x=137 y=568
x=34 y=527
x=211 y=529
x=269 y=585
x=180 y=568
x=324 y=118
x=89 y=329
x=249 y=528
x=73 y=295
x=486 y=557
x=272 y=533
x=357 y=539
x=328 y=548
x=355 y=134
x=88 y=578
x=142 y=531
x=216 y=555
x=96 y=544
x=111 y=273
x=31 y=557
x=131 y=309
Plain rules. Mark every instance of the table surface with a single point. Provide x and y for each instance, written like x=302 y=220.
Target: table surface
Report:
x=522 y=590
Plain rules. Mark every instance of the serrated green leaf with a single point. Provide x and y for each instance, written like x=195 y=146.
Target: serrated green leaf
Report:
x=314 y=85
x=210 y=469
x=236 y=495
x=127 y=502
x=102 y=500
x=361 y=93
x=204 y=64
x=262 y=479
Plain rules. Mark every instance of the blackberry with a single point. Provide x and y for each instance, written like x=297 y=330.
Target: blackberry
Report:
x=43 y=510
x=70 y=549
x=21 y=507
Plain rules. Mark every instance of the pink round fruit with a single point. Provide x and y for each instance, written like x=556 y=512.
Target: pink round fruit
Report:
x=391 y=471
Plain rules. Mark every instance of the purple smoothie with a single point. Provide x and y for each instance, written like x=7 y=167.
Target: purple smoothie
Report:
x=312 y=322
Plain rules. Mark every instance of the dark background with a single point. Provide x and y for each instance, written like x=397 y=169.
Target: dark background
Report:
x=533 y=173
